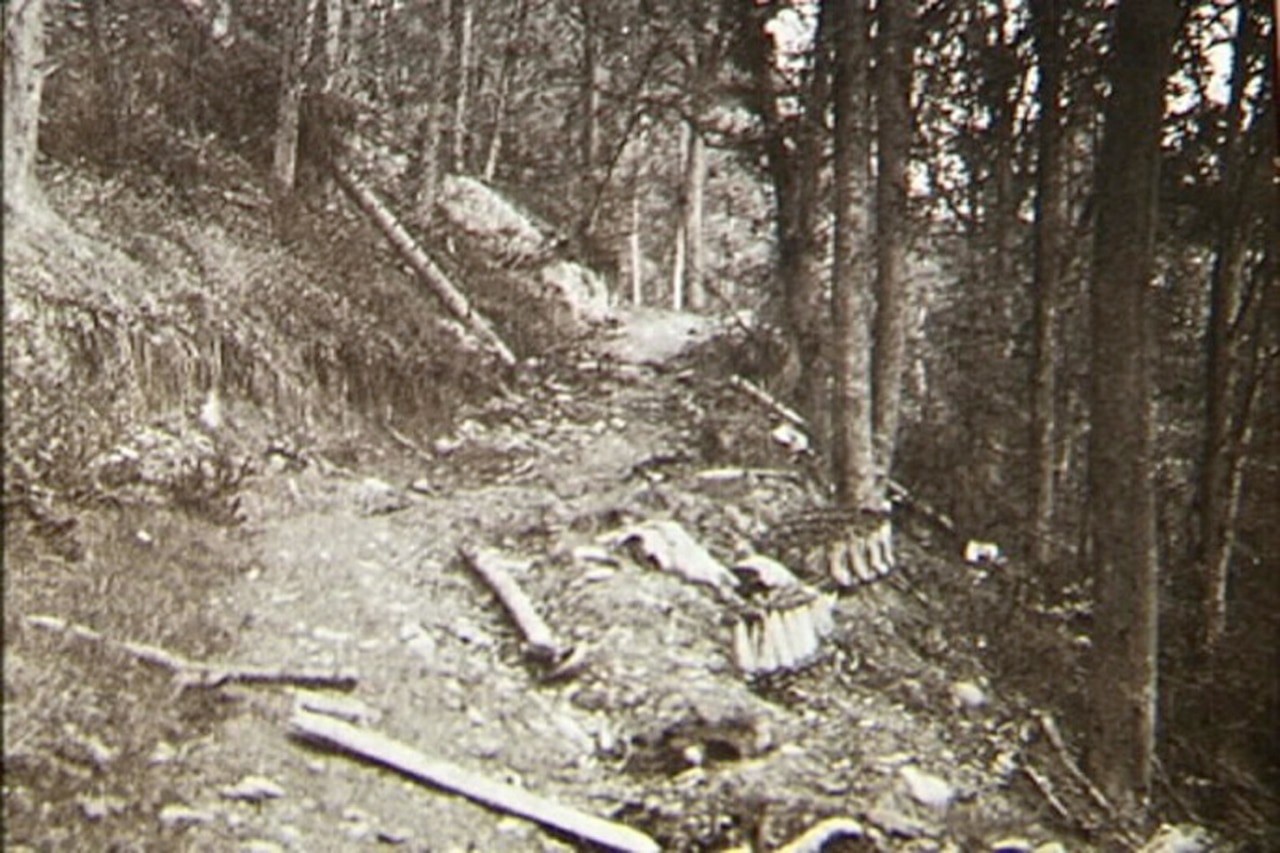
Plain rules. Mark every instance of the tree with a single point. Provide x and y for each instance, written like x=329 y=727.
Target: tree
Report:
x=852 y=453
x=23 y=83
x=299 y=30
x=1229 y=335
x=893 y=297
x=1049 y=237
x=1123 y=688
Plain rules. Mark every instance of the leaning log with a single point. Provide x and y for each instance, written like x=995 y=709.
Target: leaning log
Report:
x=380 y=749
x=455 y=301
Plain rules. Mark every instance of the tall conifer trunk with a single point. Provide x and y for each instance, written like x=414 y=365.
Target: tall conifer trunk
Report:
x=852 y=453
x=1123 y=688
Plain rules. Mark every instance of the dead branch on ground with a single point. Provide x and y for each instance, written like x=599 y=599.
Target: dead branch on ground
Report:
x=194 y=674
x=383 y=750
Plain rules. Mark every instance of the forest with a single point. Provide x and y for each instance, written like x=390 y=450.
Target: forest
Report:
x=1008 y=266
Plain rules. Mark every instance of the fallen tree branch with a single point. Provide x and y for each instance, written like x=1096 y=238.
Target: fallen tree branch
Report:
x=540 y=642
x=771 y=402
x=1045 y=787
x=1051 y=731
x=407 y=443
x=194 y=674
x=383 y=750
x=421 y=263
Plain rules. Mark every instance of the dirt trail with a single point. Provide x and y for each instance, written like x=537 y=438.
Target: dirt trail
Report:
x=658 y=731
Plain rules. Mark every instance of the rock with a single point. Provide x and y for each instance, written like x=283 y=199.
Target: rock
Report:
x=252 y=789
x=163 y=753
x=895 y=822
x=968 y=695
x=1051 y=847
x=261 y=845
x=1182 y=838
x=496 y=225
x=378 y=497
x=395 y=835
x=96 y=808
x=791 y=438
x=1012 y=845
x=177 y=815
x=927 y=789
x=582 y=290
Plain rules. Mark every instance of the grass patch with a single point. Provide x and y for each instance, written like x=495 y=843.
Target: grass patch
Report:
x=83 y=724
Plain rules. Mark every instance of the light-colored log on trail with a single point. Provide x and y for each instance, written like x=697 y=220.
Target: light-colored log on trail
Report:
x=540 y=642
x=378 y=748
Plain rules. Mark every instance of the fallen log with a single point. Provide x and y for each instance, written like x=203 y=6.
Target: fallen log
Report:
x=380 y=749
x=540 y=642
x=771 y=402
x=189 y=673
x=421 y=263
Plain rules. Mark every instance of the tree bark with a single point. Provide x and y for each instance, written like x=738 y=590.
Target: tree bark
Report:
x=23 y=87
x=1221 y=457
x=589 y=81
x=462 y=95
x=794 y=161
x=695 y=179
x=1123 y=689
x=297 y=49
x=852 y=451
x=893 y=294
x=510 y=56
x=1051 y=227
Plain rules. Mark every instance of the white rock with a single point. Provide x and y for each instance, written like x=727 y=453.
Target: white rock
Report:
x=252 y=789
x=927 y=789
x=1183 y=838
x=791 y=438
x=967 y=694
x=766 y=571
x=1012 y=845
x=1052 y=847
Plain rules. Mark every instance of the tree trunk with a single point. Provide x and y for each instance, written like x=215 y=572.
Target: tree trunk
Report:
x=23 y=86
x=332 y=42
x=1123 y=689
x=1219 y=486
x=466 y=19
x=695 y=179
x=852 y=451
x=893 y=295
x=589 y=81
x=297 y=48
x=510 y=55
x=1050 y=230
x=794 y=163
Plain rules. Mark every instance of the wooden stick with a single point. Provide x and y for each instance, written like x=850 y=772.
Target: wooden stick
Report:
x=1051 y=731
x=1045 y=787
x=762 y=396
x=540 y=642
x=404 y=759
x=194 y=674
x=417 y=258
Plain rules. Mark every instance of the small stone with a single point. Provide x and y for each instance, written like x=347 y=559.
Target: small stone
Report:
x=177 y=815
x=927 y=789
x=1012 y=845
x=1051 y=847
x=261 y=845
x=395 y=835
x=96 y=808
x=144 y=537
x=253 y=789
x=967 y=694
